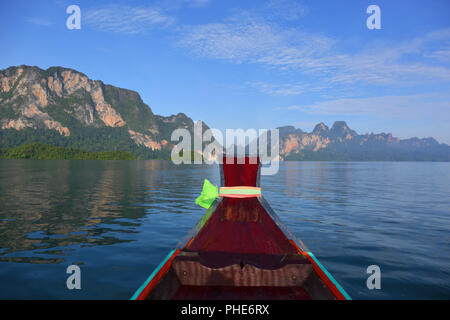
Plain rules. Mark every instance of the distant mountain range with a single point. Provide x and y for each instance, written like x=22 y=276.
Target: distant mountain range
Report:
x=63 y=107
x=340 y=143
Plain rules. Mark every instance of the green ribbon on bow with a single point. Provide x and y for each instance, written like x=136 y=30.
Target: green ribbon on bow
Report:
x=209 y=193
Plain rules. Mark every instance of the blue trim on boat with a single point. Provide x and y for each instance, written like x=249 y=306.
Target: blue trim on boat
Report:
x=142 y=287
x=338 y=286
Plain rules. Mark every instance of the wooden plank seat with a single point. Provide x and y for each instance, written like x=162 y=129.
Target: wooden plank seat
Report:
x=193 y=273
x=235 y=276
x=217 y=260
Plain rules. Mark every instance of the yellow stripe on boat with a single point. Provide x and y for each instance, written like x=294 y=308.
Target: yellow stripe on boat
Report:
x=239 y=192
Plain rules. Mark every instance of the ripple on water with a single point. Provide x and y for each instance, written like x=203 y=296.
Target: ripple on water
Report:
x=120 y=219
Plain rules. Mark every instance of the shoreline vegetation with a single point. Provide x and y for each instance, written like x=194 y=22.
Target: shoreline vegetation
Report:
x=40 y=151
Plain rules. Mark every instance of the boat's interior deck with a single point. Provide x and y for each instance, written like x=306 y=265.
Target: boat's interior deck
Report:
x=241 y=226
x=240 y=253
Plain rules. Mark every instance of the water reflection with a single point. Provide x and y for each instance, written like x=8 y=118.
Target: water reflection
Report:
x=54 y=204
x=47 y=207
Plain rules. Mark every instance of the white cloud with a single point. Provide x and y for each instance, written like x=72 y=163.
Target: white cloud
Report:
x=126 y=19
x=284 y=89
x=395 y=64
x=441 y=54
x=39 y=22
x=250 y=38
x=198 y=3
x=277 y=89
x=285 y=9
x=173 y=5
x=410 y=106
x=246 y=38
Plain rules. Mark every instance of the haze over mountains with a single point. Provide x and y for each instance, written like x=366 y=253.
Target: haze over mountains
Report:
x=63 y=107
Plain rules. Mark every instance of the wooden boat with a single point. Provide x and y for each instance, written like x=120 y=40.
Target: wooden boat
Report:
x=240 y=250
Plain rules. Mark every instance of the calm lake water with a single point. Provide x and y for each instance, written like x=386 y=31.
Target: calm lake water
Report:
x=119 y=219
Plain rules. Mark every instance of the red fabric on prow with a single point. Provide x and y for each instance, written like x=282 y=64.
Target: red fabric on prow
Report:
x=236 y=174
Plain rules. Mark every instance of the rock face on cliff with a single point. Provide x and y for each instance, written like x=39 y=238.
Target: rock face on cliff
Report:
x=64 y=107
x=342 y=143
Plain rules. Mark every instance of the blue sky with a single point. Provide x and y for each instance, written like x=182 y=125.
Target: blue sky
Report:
x=254 y=64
